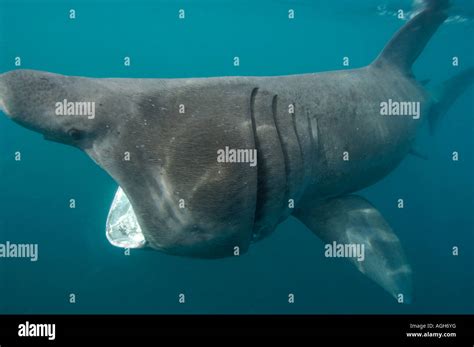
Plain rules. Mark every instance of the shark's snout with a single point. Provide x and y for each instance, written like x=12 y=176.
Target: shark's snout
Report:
x=29 y=98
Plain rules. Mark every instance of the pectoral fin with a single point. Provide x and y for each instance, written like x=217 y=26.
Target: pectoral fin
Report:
x=353 y=220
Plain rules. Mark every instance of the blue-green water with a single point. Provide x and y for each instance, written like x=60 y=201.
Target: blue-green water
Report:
x=74 y=255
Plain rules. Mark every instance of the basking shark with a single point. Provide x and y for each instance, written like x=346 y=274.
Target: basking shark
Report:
x=317 y=139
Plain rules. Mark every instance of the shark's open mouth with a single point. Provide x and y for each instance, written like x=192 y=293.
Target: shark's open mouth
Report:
x=122 y=228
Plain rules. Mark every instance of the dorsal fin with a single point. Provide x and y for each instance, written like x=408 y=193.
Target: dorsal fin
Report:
x=407 y=44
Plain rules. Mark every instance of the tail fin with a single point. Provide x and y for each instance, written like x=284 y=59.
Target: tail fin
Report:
x=447 y=93
x=408 y=43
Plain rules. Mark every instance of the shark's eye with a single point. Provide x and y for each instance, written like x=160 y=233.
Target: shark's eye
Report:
x=75 y=134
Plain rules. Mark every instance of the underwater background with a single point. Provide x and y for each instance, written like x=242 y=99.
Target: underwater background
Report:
x=74 y=254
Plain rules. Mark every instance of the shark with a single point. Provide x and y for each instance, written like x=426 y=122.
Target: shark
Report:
x=318 y=139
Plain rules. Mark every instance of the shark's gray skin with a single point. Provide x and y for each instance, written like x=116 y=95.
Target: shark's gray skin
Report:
x=302 y=126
